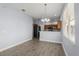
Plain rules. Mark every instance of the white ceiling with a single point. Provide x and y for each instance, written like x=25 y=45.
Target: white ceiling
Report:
x=36 y=10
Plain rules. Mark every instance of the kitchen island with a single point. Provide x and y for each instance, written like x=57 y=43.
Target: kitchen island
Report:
x=51 y=36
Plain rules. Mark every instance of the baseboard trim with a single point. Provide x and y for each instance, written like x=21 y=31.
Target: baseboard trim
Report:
x=3 y=49
x=51 y=41
x=64 y=50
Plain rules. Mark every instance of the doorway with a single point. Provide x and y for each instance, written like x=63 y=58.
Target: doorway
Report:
x=36 y=31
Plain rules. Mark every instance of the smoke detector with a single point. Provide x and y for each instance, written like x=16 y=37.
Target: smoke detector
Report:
x=23 y=10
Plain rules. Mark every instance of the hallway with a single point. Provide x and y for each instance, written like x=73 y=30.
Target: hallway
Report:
x=35 y=48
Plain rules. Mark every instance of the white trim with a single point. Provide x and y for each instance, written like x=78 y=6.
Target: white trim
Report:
x=3 y=49
x=51 y=41
x=64 y=50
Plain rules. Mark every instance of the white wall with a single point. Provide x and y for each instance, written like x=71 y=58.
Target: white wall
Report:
x=15 y=27
x=72 y=49
x=50 y=36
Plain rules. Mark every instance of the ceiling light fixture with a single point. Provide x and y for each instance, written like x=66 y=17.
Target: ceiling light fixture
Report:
x=45 y=18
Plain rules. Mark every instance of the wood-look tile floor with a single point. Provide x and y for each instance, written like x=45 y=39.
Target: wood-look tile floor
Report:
x=35 y=48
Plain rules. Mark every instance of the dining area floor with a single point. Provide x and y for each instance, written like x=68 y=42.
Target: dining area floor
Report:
x=35 y=48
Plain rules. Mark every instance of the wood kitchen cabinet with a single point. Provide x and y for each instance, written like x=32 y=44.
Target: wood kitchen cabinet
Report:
x=53 y=27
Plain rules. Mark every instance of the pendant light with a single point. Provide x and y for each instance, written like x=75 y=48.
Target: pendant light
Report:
x=45 y=19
